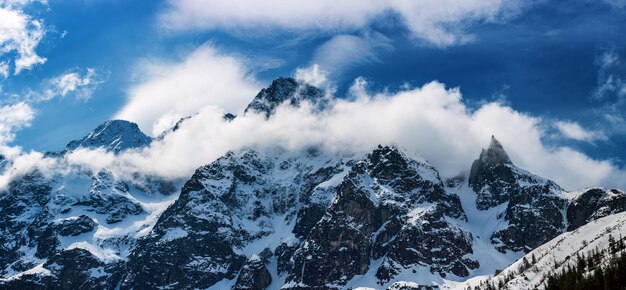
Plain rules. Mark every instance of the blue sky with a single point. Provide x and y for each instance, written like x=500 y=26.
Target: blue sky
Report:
x=561 y=61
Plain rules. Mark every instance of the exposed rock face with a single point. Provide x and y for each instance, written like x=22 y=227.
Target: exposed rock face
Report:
x=532 y=206
x=114 y=136
x=74 y=226
x=593 y=204
x=286 y=90
x=385 y=203
x=70 y=269
x=229 y=117
x=20 y=206
x=227 y=209
x=326 y=219
x=492 y=176
x=254 y=274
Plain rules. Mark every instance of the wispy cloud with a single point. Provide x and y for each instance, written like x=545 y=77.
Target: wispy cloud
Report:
x=618 y=4
x=82 y=85
x=573 y=130
x=441 y=23
x=78 y=83
x=345 y=51
x=610 y=93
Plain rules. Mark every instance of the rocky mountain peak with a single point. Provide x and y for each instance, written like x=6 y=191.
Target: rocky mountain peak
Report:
x=114 y=136
x=492 y=157
x=283 y=90
x=495 y=154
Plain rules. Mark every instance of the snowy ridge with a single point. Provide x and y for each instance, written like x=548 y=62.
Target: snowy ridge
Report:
x=45 y=217
x=114 y=136
x=558 y=254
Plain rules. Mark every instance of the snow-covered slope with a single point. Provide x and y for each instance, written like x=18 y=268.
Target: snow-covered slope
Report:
x=530 y=272
x=45 y=217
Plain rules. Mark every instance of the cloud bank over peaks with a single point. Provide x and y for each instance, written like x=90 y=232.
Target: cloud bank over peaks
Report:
x=437 y=22
x=431 y=121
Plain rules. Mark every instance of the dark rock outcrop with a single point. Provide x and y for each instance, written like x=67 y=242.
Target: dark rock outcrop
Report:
x=593 y=204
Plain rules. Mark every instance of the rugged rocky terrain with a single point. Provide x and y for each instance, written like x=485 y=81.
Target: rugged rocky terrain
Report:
x=271 y=218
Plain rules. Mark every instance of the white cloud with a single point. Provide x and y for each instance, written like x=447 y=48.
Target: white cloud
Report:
x=21 y=3
x=4 y=69
x=79 y=83
x=440 y=22
x=344 y=51
x=24 y=163
x=82 y=85
x=20 y=35
x=13 y=118
x=573 y=130
x=312 y=75
x=173 y=90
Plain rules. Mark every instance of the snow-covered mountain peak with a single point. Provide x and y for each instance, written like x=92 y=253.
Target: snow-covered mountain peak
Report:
x=114 y=136
x=286 y=90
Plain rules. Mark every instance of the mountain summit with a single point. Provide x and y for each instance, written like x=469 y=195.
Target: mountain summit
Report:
x=286 y=90
x=114 y=136
x=495 y=154
x=493 y=161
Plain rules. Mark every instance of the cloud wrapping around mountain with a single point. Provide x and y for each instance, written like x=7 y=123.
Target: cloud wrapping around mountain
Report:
x=441 y=23
x=431 y=121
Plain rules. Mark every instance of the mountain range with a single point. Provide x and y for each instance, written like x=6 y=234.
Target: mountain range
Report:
x=272 y=218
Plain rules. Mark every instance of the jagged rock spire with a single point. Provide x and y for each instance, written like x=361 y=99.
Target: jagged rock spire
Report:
x=489 y=159
x=495 y=154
